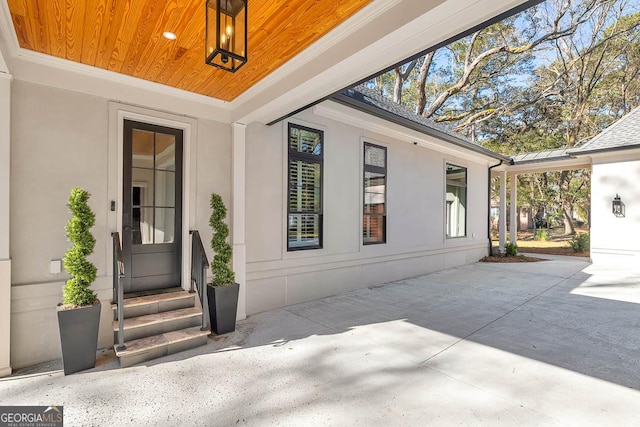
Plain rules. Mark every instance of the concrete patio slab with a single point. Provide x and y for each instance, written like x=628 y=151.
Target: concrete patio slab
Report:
x=542 y=344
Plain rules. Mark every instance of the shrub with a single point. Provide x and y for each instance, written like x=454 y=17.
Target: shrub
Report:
x=510 y=249
x=77 y=291
x=580 y=242
x=220 y=268
x=542 y=234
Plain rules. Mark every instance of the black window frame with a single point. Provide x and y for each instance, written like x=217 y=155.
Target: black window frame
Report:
x=309 y=158
x=466 y=199
x=382 y=171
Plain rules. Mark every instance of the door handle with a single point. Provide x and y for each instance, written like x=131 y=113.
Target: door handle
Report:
x=127 y=228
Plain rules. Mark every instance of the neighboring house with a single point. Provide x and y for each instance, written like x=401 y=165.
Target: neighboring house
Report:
x=324 y=197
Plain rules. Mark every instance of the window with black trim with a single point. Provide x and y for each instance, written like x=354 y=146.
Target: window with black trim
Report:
x=374 y=213
x=304 y=204
x=456 y=200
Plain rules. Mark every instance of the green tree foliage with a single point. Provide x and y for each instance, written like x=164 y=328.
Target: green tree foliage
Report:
x=77 y=291
x=550 y=77
x=223 y=275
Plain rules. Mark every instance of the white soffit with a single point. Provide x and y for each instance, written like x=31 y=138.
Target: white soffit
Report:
x=381 y=34
x=415 y=26
x=350 y=116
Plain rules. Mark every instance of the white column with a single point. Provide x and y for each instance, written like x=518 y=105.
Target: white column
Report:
x=513 y=223
x=502 y=223
x=238 y=173
x=5 y=261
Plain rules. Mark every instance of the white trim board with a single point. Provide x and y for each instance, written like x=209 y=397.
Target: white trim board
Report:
x=382 y=33
x=117 y=115
x=270 y=269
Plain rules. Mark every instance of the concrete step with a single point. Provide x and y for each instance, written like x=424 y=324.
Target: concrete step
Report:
x=157 y=303
x=158 y=323
x=148 y=348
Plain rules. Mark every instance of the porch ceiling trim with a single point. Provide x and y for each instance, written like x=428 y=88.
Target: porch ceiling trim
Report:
x=424 y=33
x=381 y=34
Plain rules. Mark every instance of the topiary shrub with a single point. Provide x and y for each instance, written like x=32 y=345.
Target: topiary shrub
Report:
x=580 y=242
x=220 y=268
x=77 y=291
x=510 y=249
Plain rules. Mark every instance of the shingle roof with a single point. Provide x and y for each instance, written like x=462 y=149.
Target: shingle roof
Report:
x=368 y=100
x=623 y=134
x=374 y=98
x=541 y=156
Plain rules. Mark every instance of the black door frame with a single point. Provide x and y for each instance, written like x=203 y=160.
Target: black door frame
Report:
x=129 y=249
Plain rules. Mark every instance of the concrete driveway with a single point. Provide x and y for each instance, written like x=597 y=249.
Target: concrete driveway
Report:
x=550 y=343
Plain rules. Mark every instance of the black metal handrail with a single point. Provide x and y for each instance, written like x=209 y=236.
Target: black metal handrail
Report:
x=118 y=287
x=199 y=266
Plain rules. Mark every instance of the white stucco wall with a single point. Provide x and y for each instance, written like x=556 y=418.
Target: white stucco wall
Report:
x=416 y=241
x=59 y=140
x=615 y=240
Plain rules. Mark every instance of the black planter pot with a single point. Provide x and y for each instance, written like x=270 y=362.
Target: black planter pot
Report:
x=223 y=305
x=79 y=337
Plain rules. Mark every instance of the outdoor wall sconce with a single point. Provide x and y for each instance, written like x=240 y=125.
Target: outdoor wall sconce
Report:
x=226 y=34
x=617 y=207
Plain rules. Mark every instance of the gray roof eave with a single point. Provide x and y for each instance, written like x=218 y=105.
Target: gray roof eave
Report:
x=386 y=115
x=580 y=152
x=542 y=160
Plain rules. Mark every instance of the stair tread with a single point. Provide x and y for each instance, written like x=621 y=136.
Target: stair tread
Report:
x=144 y=344
x=150 y=299
x=148 y=319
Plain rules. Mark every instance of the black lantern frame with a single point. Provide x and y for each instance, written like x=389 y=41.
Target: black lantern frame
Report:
x=226 y=34
x=617 y=206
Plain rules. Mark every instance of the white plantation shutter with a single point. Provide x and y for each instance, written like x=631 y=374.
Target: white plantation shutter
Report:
x=305 y=188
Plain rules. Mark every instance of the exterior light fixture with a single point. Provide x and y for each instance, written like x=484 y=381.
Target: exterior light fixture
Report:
x=617 y=207
x=226 y=34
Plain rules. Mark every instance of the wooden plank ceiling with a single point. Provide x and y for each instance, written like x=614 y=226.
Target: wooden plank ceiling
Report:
x=125 y=36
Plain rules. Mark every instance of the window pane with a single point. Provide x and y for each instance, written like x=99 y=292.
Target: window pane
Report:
x=456 y=175
x=305 y=141
x=142 y=225
x=142 y=184
x=456 y=211
x=304 y=230
x=165 y=151
x=374 y=192
x=165 y=225
x=304 y=191
x=142 y=147
x=165 y=188
x=374 y=156
x=373 y=228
